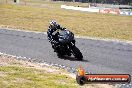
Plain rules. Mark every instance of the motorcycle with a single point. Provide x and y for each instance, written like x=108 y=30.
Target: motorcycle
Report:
x=66 y=44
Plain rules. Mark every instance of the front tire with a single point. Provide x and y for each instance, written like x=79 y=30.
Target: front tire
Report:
x=77 y=53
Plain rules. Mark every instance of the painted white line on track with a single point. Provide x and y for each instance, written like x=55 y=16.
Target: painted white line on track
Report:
x=124 y=42
x=18 y=57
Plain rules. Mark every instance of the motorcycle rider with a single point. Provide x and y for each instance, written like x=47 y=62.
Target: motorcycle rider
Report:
x=52 y=34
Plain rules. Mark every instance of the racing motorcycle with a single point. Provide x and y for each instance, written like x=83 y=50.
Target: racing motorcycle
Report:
x=66 y=44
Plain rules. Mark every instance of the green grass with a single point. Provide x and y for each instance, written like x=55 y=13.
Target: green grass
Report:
x=21 y=77
x=36 y=18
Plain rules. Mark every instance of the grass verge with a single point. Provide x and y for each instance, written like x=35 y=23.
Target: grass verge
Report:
x=21 y=77
x=16 y=73
x=36 y=18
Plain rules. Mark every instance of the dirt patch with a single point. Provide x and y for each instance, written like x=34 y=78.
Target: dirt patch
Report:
x=6 y=60
x=2 y=74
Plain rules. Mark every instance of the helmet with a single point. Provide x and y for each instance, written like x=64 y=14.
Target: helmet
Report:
x=53 y=24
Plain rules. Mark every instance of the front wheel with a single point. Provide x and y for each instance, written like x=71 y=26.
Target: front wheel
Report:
x=77 y=53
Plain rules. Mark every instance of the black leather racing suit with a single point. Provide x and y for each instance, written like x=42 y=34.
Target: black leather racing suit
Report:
x=53 y=38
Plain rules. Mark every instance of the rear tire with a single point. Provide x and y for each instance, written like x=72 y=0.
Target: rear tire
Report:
x=77 y=53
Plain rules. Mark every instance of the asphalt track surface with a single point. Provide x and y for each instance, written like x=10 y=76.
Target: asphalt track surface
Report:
x=99 y=56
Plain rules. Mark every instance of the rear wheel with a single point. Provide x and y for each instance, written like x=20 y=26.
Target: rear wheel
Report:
x=77 y=53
